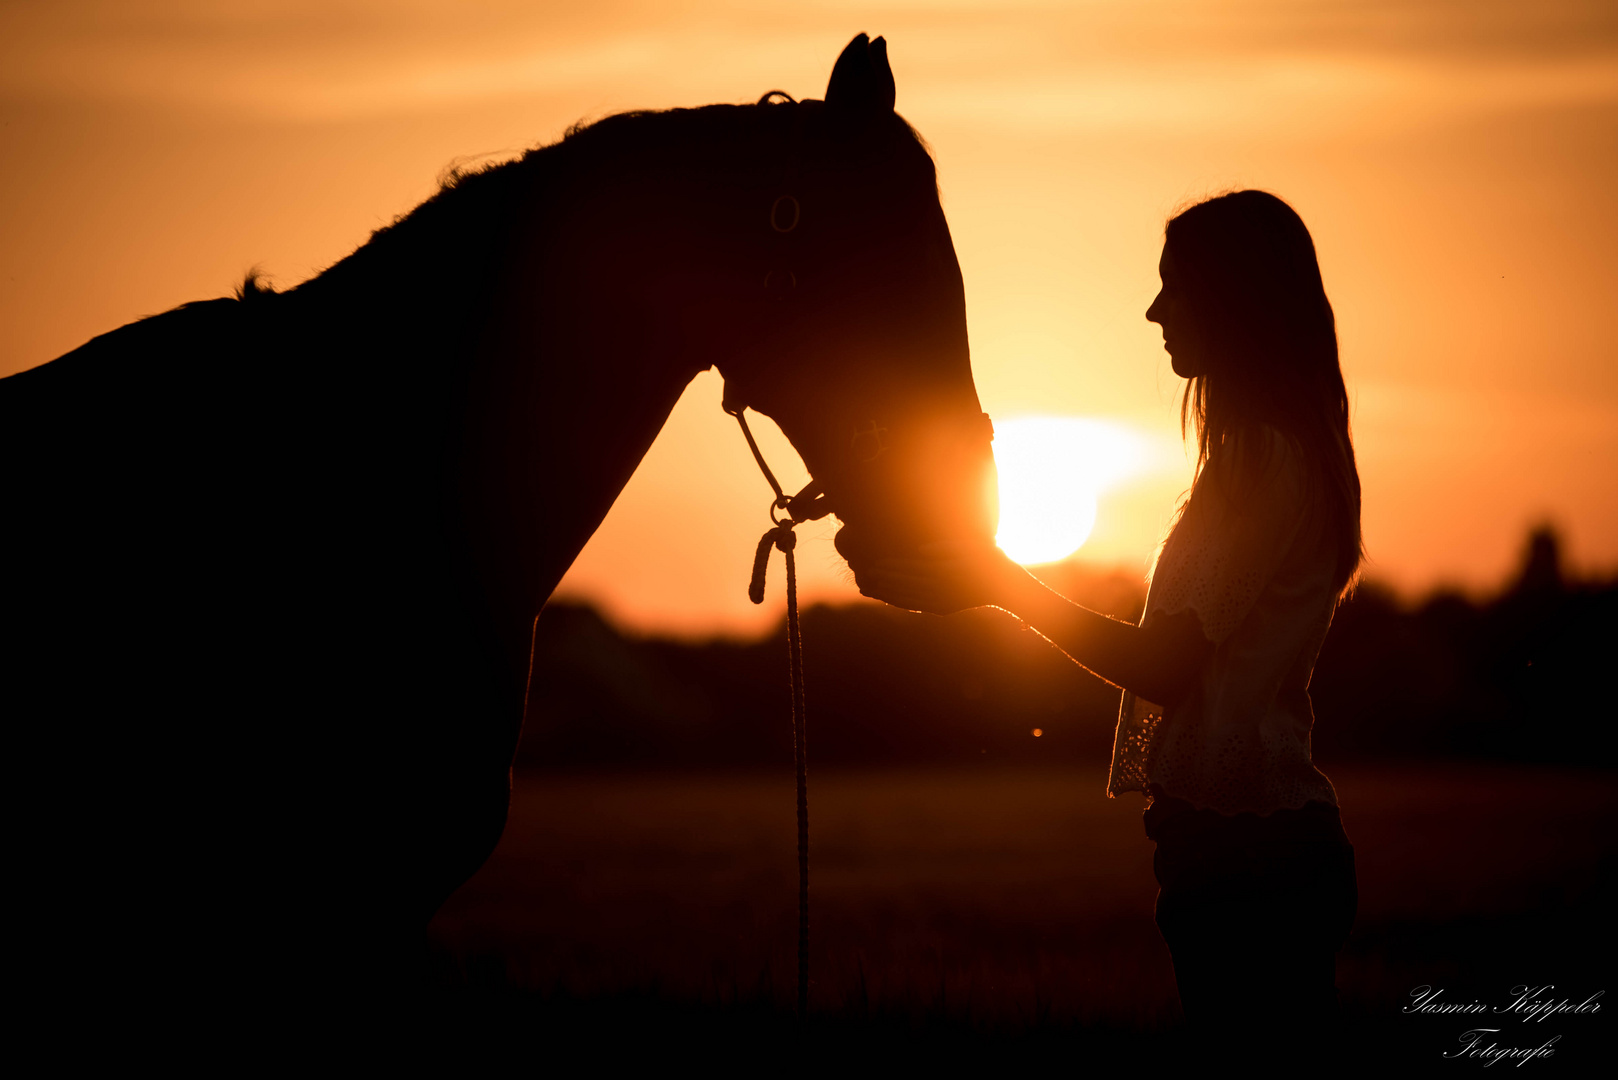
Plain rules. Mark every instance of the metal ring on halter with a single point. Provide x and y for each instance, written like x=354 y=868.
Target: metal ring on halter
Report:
x=869 y=436
x=775 y=213
x=769 y=98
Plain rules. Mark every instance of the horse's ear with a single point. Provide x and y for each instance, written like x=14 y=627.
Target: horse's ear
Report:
x=861 y=81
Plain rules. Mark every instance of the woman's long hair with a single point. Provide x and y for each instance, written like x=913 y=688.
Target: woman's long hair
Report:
x=1254 y=288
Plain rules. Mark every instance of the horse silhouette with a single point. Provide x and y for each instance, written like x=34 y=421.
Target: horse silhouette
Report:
x=272 y=562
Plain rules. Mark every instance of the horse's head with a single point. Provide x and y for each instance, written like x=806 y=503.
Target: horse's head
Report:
x=854 y=339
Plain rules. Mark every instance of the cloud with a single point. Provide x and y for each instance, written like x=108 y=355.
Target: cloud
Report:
x=1106 y=63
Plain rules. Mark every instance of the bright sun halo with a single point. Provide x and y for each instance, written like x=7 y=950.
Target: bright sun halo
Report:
x=1051 y=470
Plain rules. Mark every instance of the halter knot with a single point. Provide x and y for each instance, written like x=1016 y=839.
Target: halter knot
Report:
x=781 y=537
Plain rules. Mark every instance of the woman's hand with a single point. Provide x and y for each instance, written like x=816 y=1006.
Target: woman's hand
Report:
x=943 y=579
x=1158 y=662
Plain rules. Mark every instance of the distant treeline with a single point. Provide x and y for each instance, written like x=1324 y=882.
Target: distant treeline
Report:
x=1515 y=678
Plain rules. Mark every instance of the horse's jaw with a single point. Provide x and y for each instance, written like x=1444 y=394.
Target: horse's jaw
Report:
x=904 y=475
x=943 y=493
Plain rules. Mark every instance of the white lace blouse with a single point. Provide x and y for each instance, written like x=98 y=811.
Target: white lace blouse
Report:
x=1259 y=578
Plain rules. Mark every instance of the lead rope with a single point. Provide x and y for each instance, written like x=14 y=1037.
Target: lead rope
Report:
x=782 y=537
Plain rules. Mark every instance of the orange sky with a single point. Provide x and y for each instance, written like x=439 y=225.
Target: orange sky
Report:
x=1455 y=159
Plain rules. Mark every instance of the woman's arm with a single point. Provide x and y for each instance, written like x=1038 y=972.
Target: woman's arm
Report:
x=1157 y=662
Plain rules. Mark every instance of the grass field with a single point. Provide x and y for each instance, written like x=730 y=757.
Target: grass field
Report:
x=1012 y=905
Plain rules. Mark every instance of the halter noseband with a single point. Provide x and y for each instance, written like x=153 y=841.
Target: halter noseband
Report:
x=809 y=504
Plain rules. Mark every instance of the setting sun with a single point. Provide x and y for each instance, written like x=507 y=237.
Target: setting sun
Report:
x=1051 y=469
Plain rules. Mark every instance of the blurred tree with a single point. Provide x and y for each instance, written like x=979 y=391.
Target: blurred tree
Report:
x=1519 y=677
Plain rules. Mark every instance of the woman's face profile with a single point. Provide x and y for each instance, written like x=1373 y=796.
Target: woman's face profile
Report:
x=1182 y=338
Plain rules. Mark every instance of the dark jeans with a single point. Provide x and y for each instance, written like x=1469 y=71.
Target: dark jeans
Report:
x=1254 y=910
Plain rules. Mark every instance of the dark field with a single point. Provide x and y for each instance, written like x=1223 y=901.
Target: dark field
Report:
x=1009 y=907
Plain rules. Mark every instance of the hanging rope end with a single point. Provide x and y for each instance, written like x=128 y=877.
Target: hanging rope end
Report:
x=761 y=563
x=781 y=537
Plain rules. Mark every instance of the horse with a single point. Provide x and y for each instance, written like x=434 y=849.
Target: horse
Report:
x=273 y=561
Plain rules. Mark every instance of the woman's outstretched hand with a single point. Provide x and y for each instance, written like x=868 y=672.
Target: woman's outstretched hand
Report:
x=943 y=578
x=1158 y=661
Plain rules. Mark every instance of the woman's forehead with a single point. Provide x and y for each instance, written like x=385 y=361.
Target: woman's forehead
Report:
x=1166 y=266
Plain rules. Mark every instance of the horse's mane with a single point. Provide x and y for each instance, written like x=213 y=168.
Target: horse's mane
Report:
x=455 y=237
x=456 y=229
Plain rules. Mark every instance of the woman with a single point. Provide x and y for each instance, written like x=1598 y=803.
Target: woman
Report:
x=1256 y=873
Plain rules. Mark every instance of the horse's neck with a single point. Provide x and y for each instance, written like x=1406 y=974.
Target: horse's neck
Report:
x=575 y=378
x=525 y=300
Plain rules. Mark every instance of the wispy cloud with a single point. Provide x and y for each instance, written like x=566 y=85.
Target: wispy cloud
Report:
x=1165 y=64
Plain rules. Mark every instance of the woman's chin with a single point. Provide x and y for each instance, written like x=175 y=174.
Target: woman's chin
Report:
x=1186 y=367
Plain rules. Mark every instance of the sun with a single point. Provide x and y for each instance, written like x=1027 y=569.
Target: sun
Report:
x=1051 y=469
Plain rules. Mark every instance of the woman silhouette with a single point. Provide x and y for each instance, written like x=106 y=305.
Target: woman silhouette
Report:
x=1256 y=873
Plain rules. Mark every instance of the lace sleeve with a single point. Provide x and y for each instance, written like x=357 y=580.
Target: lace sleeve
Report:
x=1230 y=538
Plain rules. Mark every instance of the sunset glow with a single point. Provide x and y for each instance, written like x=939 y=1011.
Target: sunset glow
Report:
x=1453 y=161
x=498 y=496
x=1052 y=469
